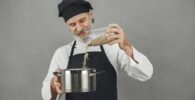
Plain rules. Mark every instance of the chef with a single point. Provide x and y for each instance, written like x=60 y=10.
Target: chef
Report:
x=117 y=55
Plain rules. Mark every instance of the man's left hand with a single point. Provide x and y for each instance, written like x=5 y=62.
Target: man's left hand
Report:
x=119 y=37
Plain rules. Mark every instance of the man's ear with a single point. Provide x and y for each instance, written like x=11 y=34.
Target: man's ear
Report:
x=93 y=20
x=91 y=16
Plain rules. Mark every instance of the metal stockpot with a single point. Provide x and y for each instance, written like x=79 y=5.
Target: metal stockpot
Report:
x=78 y=79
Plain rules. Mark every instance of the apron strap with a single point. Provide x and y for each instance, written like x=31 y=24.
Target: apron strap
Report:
x=102 y=49
x=72 y=50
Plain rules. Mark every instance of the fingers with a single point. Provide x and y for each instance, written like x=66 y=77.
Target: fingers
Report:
x=118 y=36
x=57 y=82
x=56 y=79
x=114 y=26
x=112 y=37
x=58 y=87
x=58 y=71
x=113 y=30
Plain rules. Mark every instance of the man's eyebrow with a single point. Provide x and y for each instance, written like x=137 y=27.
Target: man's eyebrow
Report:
x=84 y=18
x=71 y=23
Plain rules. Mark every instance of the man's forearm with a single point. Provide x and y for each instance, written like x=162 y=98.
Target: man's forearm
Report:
x=128 y=49
x=53 y=91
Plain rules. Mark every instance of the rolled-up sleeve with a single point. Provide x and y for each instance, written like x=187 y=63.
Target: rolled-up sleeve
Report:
x=142 y=70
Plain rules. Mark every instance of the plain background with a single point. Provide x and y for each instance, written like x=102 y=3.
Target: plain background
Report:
x=163 y=30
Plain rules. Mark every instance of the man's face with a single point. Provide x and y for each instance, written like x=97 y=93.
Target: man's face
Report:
x=80 y=24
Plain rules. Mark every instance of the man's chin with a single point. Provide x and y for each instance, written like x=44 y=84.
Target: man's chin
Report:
x=84 y=35
x=81 y=38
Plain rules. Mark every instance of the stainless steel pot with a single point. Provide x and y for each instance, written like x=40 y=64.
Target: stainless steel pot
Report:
x=78 y=79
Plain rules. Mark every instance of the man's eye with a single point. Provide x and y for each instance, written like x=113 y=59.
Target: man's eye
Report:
x=72 y=24
x=82 y=20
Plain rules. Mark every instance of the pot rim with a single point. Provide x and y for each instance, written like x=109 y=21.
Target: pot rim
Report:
x=78 y=69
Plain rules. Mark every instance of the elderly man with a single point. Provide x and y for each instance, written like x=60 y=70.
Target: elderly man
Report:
x=117 y=54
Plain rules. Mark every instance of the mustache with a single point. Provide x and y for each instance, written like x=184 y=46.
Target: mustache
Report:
x=86 y=30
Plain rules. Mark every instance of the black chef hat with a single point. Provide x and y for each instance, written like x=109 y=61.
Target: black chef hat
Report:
x=70 y=8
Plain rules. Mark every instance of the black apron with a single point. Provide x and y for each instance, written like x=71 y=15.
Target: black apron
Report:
x=106 y=88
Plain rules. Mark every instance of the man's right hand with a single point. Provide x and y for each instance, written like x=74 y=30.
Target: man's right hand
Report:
x=56 y=86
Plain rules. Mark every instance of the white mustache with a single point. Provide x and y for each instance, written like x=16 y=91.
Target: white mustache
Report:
x=83 y=30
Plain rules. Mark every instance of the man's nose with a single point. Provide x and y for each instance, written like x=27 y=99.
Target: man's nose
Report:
x=79 y=28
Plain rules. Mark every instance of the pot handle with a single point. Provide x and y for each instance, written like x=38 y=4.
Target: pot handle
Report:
x=97 y=73
x=57 y=73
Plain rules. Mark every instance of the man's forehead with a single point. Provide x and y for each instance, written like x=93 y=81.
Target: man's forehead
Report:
x=78 y=17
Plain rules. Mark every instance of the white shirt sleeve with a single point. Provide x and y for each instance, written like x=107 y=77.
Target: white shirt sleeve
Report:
x=46 y=91
x=141 y=71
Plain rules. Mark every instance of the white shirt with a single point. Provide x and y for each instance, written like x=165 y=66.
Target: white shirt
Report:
x=118 y=58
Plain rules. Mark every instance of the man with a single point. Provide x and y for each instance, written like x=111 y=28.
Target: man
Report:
x=117 y=54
